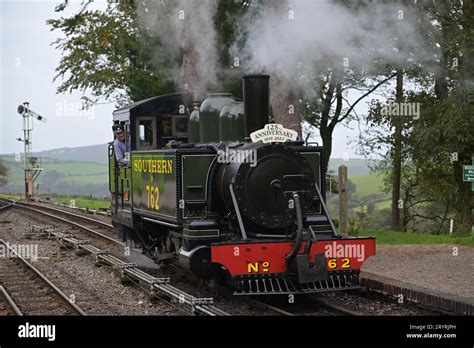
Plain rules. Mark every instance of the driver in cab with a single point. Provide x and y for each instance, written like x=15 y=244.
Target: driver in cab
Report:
x=121 y=145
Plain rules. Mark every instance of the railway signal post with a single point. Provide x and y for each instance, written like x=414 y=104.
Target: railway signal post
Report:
x=32 y=166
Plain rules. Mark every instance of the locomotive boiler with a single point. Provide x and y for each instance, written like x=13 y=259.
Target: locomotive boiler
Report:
x=218 y=188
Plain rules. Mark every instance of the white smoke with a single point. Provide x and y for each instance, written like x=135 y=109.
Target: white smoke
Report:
x=178 y=24
x=295 y=39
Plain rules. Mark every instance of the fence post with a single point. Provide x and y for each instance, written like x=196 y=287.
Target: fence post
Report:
x=342 y=187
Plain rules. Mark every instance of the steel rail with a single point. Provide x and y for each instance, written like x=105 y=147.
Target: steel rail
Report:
x=4 y=207
x=139 y=274
x=58 y=291
x=10 y=301
x=335 y=307
x=271 y=308
x=85 y=218
x=297 y=311
x=131 y=271
x=69 y=222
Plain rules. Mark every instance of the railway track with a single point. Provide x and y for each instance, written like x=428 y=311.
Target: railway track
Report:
x=27 y=291
x=353 y=303
x=335 y=307
x=8 y=305
x=312 y=305
x=89 y=225
x=156 y=287
x=5 y=205
x=306 y=305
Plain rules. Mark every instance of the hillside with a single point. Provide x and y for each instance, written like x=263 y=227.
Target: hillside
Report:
x=367 y=184
x=354 y=166
x=369 y=189
x=91 y=153
x=61 y=177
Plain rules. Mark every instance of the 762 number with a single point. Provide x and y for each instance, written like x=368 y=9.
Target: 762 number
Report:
x=153 y=197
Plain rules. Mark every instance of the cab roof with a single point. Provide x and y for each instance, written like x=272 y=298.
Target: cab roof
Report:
x=154 y=106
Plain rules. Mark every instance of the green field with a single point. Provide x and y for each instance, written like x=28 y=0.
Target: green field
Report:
x=391 y=237
x=64 y=168
x=61 y=177
x=82 y=202
x=89 y=179
x=367 y=184
x=78 y=201
x=11 y=196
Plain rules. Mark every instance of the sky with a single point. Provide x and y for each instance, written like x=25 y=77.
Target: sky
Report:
x=27 y=69
x=28 y=63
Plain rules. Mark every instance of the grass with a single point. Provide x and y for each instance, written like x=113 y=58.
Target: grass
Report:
x=391 y=237
x=11 y=196
x=82 y=202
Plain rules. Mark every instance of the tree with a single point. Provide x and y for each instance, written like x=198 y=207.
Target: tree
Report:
x=424 y=157
x=332 y=107
x=443 y=143
x=135 y=49
x=397 y=155
x=107 y=56
x=454 y=90
x=369 y=70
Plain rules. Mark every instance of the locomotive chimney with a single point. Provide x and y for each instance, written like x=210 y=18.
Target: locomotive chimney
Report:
x=256 y=102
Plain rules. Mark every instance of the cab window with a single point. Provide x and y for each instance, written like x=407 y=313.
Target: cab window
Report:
x=145 y=133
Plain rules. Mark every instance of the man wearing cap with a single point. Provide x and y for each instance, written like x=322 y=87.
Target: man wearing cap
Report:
x=121 y=145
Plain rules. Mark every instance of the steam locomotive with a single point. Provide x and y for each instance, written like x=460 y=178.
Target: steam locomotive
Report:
x=219 y=189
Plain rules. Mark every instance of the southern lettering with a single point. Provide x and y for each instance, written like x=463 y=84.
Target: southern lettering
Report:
x=153 y=166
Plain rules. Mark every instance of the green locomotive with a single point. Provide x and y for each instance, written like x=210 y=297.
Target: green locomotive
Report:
x=218 y=188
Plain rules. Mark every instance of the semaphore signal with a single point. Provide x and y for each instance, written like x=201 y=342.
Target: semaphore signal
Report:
x=32 y=165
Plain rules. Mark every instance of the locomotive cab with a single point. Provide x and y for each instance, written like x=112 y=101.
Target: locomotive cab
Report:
x=150 y=125
x=154 y=122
